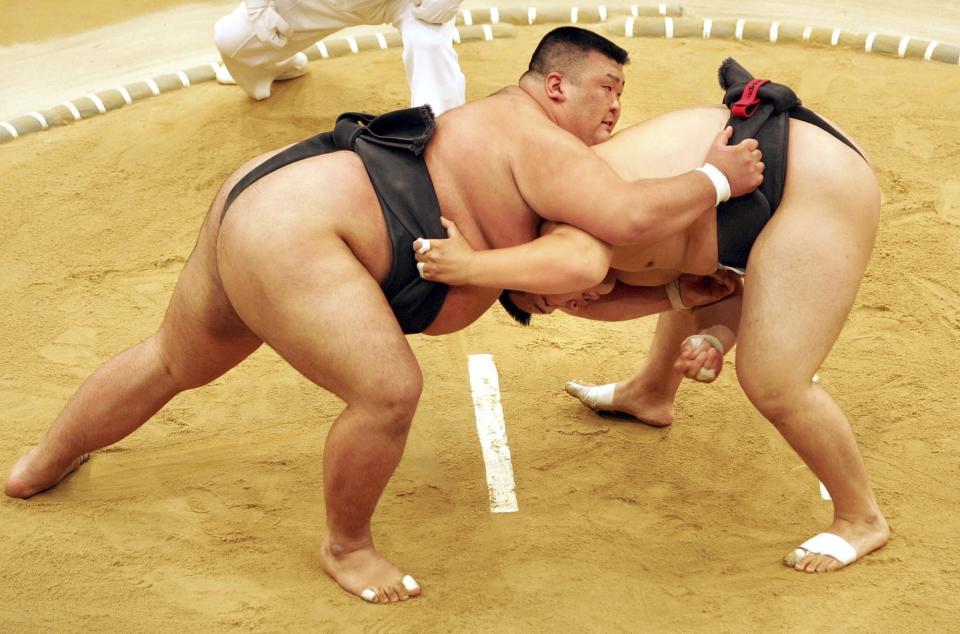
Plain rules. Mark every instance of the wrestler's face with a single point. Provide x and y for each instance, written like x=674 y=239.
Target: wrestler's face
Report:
x=593 y=94
x=537 y=304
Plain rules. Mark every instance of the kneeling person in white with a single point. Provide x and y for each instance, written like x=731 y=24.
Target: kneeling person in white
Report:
x=261 y=41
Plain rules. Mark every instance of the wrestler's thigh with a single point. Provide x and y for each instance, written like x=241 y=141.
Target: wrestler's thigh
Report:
x=201 y=336
x=801 y=281
x=327 y=316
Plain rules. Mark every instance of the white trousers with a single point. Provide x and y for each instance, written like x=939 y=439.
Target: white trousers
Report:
x=429 y=61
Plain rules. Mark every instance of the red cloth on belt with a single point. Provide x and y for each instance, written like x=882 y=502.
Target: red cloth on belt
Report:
x=749 y=101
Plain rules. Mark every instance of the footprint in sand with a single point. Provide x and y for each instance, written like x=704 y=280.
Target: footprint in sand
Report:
x=948 y=202
x=72 y=347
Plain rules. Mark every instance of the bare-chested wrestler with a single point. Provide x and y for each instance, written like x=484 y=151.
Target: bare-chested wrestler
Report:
x=307 y=247
x=805 y=265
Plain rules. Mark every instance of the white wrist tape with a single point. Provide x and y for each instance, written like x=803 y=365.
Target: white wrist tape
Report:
x=673 y=294
x=720 y=182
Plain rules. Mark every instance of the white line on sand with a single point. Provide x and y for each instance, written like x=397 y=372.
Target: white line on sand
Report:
x=492 y=431
x=823 y=492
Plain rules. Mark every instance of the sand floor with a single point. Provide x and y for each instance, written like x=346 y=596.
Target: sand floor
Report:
x=209 y=518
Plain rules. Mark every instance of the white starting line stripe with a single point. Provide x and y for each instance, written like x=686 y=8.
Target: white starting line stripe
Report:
x=824 y=493
x=492 y=431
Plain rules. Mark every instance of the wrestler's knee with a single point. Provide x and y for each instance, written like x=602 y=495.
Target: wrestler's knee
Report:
x=394 y=400
x=230 y=33
x=776 y=396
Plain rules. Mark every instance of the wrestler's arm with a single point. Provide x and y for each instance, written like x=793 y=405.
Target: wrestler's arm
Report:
x=627 y=301
x=563 y=259
x=564 y=181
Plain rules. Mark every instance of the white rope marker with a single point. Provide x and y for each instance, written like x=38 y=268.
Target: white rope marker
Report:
x=352 y=43
x=9 y=128
x=904 y=43
x=324 y=53
x=40 y=118
x=931 y=47
x=125 y=94
x=99 y=103
x=492 y=431
x=73 y=110
x=182 y=76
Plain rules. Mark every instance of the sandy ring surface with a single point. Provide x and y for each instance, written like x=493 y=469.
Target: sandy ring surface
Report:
x=209 y=517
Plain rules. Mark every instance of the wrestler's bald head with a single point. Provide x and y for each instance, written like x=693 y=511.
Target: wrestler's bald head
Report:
x=564 y=49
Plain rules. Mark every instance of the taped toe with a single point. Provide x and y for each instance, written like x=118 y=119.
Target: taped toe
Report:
x=593 y=396
x=410 y=584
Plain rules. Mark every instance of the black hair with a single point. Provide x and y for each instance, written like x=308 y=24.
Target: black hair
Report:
x=564 y=47
x=519 y=315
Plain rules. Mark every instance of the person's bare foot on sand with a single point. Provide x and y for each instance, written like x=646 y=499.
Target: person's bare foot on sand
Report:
x=626 y=397
x=845 y=542
x=32 y=474
x=364 y=573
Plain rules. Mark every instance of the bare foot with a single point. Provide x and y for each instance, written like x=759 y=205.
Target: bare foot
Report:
x=30 y=476
x=364 y=573
x=863 y=536
x=647 y=406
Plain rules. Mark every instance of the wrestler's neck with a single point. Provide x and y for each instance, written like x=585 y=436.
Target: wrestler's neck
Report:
x=533 y=90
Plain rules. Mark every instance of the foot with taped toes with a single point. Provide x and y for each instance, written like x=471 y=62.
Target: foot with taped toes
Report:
x=844 y=543
x=630 y=398
x=365 y=573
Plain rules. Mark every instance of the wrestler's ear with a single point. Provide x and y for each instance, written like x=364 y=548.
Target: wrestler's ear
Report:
x=553 y=85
